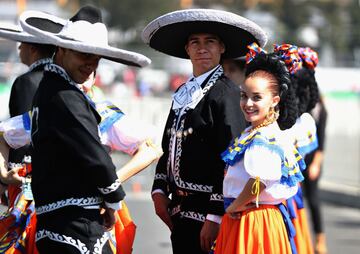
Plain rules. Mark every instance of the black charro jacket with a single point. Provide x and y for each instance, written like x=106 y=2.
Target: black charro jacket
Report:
x=68 y=159
x=198 y=168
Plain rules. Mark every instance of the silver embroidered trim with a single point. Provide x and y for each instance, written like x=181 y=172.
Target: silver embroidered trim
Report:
x=113 y=187
x=12 y=165
x=83 y=202
x=100 y=243
x=175 y=210
x=37 y=63
x=41 y=234
x=58 y=70
x=216 y=197
x=193 y=215
x=176 y=170
x=159 y=176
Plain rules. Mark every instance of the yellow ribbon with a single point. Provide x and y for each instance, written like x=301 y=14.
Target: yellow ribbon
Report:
x=255 y=190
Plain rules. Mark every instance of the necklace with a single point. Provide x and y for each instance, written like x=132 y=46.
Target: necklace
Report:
x=265 y=123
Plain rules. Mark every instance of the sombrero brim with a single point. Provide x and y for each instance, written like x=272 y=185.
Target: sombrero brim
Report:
x=15 y=33
x=37 y=23
x=169 y=33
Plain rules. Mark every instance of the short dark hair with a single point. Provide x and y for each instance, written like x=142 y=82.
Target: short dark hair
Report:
x=45 y=50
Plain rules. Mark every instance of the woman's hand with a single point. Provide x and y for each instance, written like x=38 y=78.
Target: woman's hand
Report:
x=12 y=176
x=235 y=212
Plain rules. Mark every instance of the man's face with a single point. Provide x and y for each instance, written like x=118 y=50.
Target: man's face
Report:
x=204 y=51
x=25 y=53
x=77 y=65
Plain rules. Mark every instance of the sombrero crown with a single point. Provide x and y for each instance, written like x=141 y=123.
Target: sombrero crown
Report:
x=84 y=32
x=169 y=33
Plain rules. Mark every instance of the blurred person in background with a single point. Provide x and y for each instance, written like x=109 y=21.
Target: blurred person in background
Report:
x=311 y=102
x=35 y=55
x=303 y=136
x=205 y=115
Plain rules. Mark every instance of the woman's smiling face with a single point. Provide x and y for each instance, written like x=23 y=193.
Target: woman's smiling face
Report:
x=257 y=97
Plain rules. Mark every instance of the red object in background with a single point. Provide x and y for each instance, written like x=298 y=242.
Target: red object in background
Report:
x=177 y=80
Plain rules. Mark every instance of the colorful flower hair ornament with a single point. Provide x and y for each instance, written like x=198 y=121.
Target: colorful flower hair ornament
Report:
x=309 y=57
x=290 y=55
x=254 y=51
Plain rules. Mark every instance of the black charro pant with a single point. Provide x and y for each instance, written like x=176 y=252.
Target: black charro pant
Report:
x=72 y=231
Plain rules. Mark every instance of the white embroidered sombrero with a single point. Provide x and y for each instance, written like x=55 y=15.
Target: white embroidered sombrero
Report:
x=15 y=33
x=84 y=32
x=169 y=33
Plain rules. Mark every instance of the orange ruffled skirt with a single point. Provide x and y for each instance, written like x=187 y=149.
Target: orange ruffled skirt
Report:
x=259 y=230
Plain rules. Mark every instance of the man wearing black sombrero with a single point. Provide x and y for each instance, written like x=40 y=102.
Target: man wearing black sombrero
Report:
x=204 y=117
x=73 y=175
x=36 y=55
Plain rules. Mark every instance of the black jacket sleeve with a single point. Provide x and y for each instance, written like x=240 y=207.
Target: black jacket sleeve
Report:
x=229 y=123
x=78 y=130
x=161 y=174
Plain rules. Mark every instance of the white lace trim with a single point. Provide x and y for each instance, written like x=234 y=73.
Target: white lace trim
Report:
x=193 y=215
x=87 y=203
x=113 y=187
x=99 y=245
x=216 y=197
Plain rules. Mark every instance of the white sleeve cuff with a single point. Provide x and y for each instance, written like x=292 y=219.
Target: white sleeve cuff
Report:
x=158 y=191
x=214 y=218
x=115 y=206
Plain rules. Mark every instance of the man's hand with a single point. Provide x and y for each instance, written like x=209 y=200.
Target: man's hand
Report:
x=161 y=204
x=208 y=235
x=109 y=218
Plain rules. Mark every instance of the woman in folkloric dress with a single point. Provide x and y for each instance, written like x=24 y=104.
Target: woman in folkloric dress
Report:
x=263 y=169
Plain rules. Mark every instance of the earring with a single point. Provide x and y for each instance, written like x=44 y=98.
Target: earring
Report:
x=272 y=115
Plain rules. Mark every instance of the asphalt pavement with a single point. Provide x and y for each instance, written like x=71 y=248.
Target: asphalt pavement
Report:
x=342 y=227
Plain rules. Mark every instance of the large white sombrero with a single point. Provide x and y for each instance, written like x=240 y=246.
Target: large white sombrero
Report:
x=84 y=32
x=169 y=33
x=15 y=33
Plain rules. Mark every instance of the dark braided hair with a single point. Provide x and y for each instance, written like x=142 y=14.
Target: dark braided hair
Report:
x=307 y=91
x=264 y=64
